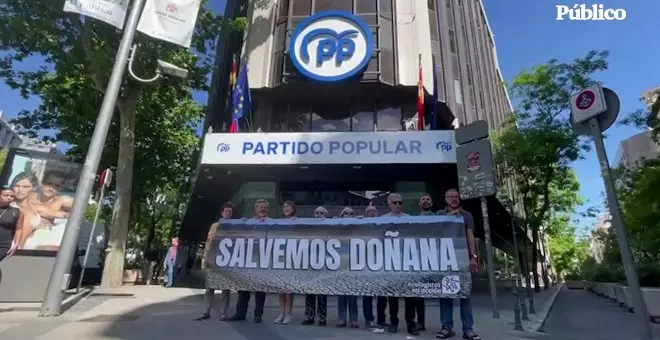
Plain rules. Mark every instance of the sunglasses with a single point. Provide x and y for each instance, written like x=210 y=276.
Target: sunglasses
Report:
x=319 y=213
x=349 y=214
x=397 y=202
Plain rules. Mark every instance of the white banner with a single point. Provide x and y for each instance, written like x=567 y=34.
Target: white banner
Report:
x=170 y=20
x=112 y=12
x=418 y=147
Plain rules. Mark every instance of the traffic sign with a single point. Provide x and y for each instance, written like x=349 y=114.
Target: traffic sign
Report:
x=588 y=103
x=605 y=118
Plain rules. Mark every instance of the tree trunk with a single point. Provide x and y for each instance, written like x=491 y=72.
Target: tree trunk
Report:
x=535 y=266
x=545 y=269
x=114 y=262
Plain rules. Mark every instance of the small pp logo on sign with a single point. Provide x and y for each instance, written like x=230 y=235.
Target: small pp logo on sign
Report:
x=585 y=100
x=590 y=12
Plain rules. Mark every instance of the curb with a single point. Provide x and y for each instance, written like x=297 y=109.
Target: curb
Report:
x=536 y=324
x=73 y=299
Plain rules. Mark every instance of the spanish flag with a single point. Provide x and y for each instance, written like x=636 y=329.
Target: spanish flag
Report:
x=420 y=99
x=232 y=74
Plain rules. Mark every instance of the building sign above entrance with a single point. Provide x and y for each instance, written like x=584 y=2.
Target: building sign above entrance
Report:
x=420 y=147
x=331 y=46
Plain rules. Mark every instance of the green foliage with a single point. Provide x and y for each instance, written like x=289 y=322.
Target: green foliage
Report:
x=567 y=250
x=3 y=157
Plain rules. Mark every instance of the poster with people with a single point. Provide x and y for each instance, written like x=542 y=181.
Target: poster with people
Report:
x=43 y=185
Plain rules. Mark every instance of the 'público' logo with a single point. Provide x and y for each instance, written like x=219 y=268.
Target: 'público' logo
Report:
x=443 y=146
x=596 y=12
x=331 y=46
x=223 y=147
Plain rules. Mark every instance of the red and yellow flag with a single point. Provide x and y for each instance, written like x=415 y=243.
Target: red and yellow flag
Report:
x=420 y=98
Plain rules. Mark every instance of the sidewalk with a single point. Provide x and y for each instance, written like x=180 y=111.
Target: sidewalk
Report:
x=148 y=312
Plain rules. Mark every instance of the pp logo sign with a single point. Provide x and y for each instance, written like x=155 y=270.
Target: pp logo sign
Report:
x=331 y=46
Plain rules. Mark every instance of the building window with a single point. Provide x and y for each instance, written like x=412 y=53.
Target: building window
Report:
x=284 y=9
x=431 y=4
x=362 y=118
x=366 y=6
x=331 y=118
x=452 y=41
x=302 y=7
x=290 y=118
x=481 y=100
x=469 y=74
x=454 y=66
x=389 y=118
x=457 y=92
x=324 y=5
x=433 y=23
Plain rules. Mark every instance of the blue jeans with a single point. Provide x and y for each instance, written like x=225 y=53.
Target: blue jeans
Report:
x=447 y=314
x=169 y=272
x=349 y=302
x=368 y=308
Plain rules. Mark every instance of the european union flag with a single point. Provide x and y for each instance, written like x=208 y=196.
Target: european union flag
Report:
x=241 y=99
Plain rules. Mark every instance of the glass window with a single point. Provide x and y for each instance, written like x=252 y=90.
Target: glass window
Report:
x=385 y=8
x=433 y=23
x=324 y=5
x=278 y=67
x=363 y=118
x=302 y=7
x=452 y=41
x=284 y=8
x=469 y=74
x=389 y=118
x=290 y=118
x=331 y=118
x=280 y=36
x=457 y=91
x=454 y=67
x=366 y=6
x=431 y=4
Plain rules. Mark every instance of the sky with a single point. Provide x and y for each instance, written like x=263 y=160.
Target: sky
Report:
x=527 y=34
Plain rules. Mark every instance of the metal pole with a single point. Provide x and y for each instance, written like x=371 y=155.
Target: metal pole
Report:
x=489 y=258
x=622 y=236
x=91 y=237
x=53 y=297
x=519 y=305
x=517 y=322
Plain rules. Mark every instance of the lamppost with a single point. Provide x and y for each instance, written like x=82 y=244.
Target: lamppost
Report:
x=52 y=303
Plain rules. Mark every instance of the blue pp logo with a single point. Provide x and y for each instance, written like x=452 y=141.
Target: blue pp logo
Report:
x=331 y=46
x=223 y=147
x=443 y=146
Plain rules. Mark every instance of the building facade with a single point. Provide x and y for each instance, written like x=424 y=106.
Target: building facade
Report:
x=8 y=137
x=635 y=149
x=299 y=99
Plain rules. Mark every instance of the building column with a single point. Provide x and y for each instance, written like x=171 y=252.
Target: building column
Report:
x=410 y=192
x=249 y=193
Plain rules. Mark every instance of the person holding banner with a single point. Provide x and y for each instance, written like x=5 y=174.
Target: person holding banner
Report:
x=347 y=301
x=11 y=224
x=395 y=205
x=367 y=301
x=226 y=214
x=260 y=214
x=316 y=304
x=453 y=200
x=285 y=298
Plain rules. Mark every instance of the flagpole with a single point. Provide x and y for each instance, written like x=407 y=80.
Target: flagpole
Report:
x=52 y=303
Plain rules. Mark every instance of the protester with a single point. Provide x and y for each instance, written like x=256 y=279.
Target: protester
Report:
x=453 y=200
x=316 y=304
x=171 y=262
x=347 y=301
x=226 y=213
x=11 y=224
x=367 y=301
x=286 y=298
x=395 y=206
x=260 y=214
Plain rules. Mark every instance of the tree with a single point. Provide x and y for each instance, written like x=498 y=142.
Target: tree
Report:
x=538 y=144
x=3 y=157
x=568 y=251
x=154 y=137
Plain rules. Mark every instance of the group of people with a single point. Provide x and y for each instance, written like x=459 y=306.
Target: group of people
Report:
x=347 y=306
x=27 y=215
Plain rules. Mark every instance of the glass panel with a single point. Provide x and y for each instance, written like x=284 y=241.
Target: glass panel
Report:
x=458 y=94
x=329 y=118
x=324 y=5
x=385 y=8
x=481 y=100
x=370 y=19
x=389 y=119
x=433 y=22
x=469 y=73
x=454 y=67
x=366 y=6
x=280 y=36
x=441 y=84
x=372 y=66
x=363 y=118
x=409 y=111
x=284 y=8
x=452 y=41
x=450 y=19
x=296 y=119
x=431 y=4
x=302 y=7
x=473 y=102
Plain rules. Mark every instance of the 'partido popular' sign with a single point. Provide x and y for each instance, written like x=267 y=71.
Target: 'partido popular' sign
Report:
x=424 y=256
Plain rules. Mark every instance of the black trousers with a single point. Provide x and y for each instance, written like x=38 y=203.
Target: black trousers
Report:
x=414 y=307
x=381 y=305
x=244 y=300
x=316 y=304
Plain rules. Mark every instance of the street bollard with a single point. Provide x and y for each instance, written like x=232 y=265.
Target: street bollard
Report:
x=530 y=296
x=523 y=306
x=516 y=305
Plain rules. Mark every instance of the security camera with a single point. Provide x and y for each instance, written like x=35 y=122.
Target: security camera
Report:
x=172 y=70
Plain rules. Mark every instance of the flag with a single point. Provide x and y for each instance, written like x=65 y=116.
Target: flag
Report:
x=434 y=103
x=232 y=74
x=111 y=12
x=241 y=99
x=420 y=98
x=170 y=20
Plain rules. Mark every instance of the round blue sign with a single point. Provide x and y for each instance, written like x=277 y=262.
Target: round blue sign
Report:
x=331 y=46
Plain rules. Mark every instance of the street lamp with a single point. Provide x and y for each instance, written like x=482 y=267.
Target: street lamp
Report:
x=163 y=68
